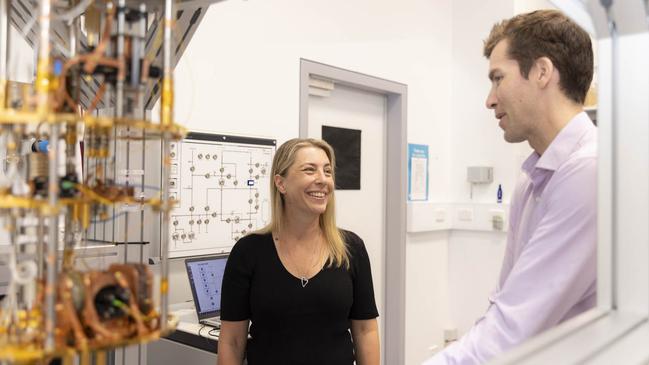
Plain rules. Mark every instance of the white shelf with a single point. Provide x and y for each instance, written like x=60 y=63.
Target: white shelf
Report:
x=429 y=216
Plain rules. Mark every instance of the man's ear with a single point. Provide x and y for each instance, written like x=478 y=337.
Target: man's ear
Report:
x=279 y=183
x=542 y=71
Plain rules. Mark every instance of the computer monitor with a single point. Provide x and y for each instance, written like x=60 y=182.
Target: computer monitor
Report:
x=205 y=279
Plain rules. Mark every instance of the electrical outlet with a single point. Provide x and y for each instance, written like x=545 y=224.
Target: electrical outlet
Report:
x=497 y=219
x=465 y=214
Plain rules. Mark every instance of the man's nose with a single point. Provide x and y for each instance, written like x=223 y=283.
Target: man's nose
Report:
x=491 y=101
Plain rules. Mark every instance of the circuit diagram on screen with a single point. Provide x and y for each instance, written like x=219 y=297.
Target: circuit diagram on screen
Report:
x=222 y=185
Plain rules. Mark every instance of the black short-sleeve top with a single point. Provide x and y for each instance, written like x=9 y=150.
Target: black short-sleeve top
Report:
x=292 y=324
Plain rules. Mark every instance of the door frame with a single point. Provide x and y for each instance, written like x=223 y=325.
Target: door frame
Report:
x=394 y=276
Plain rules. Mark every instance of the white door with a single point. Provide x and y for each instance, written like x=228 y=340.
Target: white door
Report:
x=361 y=211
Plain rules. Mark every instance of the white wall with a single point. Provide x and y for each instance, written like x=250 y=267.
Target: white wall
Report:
x=240 y=75
x=474 y=258
x=473 y=124
x=427 y=298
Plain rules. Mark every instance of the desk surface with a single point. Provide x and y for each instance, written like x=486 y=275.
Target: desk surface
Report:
x=189 y=331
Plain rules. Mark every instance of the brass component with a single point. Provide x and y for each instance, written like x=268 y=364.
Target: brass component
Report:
x=85 y=358
x=85 y=215
x=3 y=93
x=34 y=352
x=76 y=212
x=80 y=312
x=139 y=279
x=38 y=165
x=164 y=286
x=43 y=85
x=167 y=101
x=68 y=260
x=79 y=321
x=11 y=116
x=71 y=134
x=100 y=358
x=93 y=25
x=115 y=195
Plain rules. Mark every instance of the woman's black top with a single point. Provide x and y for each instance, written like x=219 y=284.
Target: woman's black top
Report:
x=291 y=324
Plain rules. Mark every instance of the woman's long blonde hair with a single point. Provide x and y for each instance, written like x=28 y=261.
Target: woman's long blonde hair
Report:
x=338 y=255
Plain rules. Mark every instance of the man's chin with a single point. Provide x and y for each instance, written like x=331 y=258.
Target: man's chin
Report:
x=513 y=139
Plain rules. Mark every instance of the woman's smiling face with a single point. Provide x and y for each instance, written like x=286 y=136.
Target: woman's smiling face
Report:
x=308 y=182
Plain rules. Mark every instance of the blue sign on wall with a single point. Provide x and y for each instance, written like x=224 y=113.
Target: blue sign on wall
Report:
x=417 y=172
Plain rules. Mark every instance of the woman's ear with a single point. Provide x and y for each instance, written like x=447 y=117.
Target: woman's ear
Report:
x=279 y=183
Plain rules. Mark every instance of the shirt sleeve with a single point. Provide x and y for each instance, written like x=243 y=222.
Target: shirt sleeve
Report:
x=235 y=290
x=364 y=305
x=555 y=271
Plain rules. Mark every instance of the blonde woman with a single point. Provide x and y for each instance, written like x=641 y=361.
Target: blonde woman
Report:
x=303 y=285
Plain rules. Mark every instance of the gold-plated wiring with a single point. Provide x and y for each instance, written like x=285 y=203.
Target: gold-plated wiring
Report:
x=53 y=110
x=30 y=353
x=176 y=131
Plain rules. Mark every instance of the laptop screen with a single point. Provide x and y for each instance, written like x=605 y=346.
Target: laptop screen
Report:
x=205 y=279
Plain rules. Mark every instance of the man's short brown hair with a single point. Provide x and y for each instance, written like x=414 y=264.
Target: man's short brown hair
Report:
x=548 y=33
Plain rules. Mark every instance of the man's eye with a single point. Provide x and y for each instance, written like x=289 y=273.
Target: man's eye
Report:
x=497 y=79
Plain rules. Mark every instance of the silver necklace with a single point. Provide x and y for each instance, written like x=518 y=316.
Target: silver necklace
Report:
x=303 y=279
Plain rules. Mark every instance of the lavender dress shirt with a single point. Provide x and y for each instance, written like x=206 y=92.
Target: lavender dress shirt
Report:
x=549 y=270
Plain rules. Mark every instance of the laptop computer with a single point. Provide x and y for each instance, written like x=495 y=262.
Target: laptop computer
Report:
x=205 y=279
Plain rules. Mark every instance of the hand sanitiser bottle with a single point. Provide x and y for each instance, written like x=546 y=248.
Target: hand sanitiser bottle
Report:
x=499 y=194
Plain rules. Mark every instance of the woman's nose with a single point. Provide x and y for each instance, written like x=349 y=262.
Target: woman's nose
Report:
x=320 y=176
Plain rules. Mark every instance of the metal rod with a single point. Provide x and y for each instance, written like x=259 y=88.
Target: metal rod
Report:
x=43 y=67
x=53 y=239
x=166 y=116
x=70 y=155
x=612 y=28
x=13 y=237
x=166 y=96
x=40 y=243
x=4 y=45
x=104 y=161
x=119 y=104
x=43 y=106
x=140 y=108
x=119 y=90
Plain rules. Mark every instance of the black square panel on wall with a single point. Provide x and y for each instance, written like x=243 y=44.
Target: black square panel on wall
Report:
x=347 y=147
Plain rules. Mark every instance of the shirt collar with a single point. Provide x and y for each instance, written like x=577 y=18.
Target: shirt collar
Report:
x=561 y=146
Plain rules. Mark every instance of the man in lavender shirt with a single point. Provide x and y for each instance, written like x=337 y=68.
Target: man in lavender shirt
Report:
x=540 y=67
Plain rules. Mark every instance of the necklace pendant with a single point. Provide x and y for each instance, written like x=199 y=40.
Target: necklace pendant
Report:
x=304 y=281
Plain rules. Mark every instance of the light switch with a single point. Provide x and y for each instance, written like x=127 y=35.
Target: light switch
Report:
x=440 y=215
x=465 y=214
